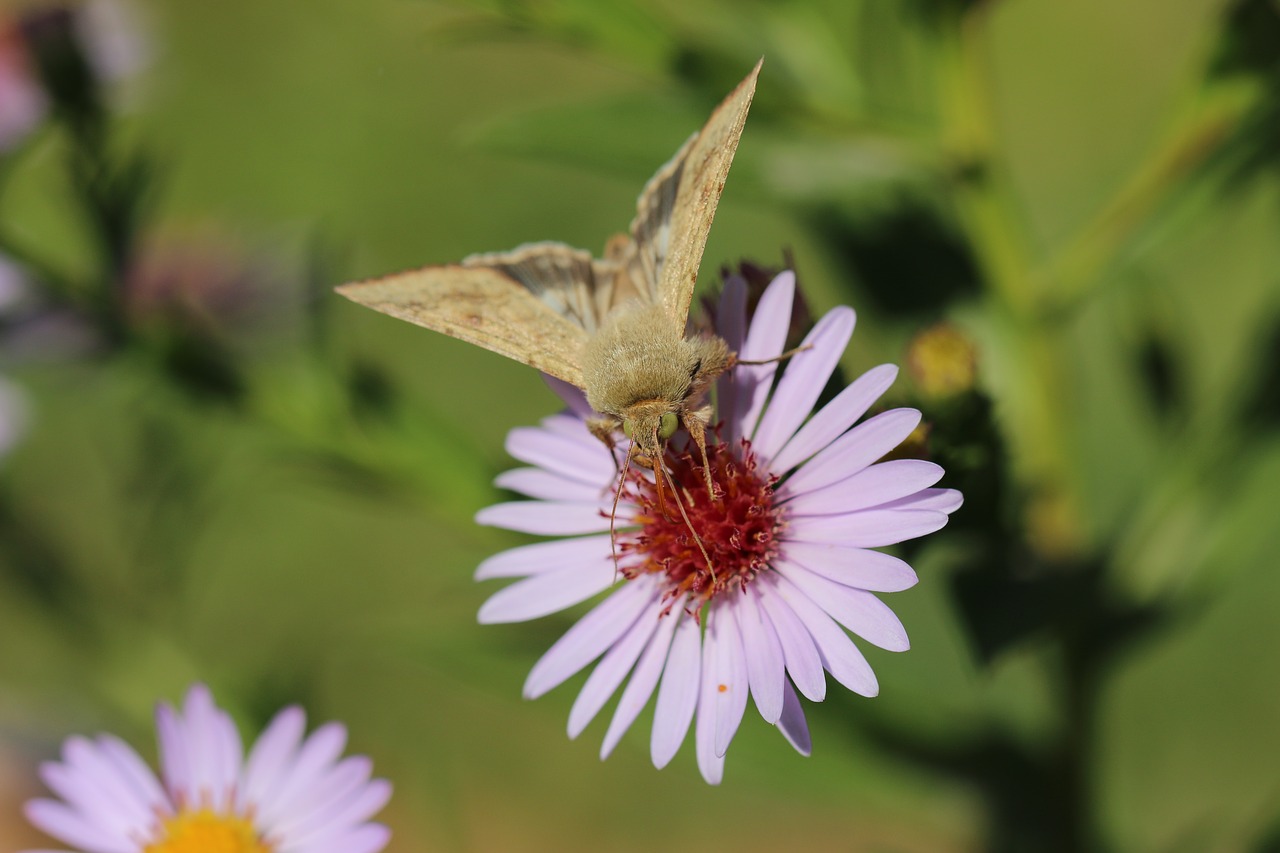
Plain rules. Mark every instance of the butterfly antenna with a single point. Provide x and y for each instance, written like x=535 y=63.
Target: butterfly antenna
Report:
x=783 y=357
x=680 y=505
x=613 y=512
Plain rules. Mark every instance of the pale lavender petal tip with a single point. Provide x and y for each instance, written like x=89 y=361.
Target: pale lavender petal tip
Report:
x=792 y=723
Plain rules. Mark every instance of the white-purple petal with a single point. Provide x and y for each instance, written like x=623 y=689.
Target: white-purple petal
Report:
x=368 y=838
x=872 y=486
x=341 y=783
x=273 y=755
x=643 y=681
x=867 y=528
x=92 y=784
x=92 y=802
x=766 y=670
x=546 y=593
x=803 y=380
x=589 y=638
x=134 y=772
x=174 y=760
x=568 y=425
x=612 y=669
x=804 y=663
x=588 y=551
x=226 y=760
x=765 y=339
x=201 y=743
x=710 y=763
x=318 y=752
x=547 y=485
x=792 y=723
x=589 y=462
x=839 y=655
x=856 y=449
x=833 y=419
x=572 y=396
x=344 y=816
x=547 y=518
x=860 y=568
x=678 y=695
x=938 y=500
x=70 y=826
x=856 y=609
x=730 y=673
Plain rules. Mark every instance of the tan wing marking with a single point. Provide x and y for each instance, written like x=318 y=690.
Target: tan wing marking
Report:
x=651 y=228
x=484 y=307
x=569 y=280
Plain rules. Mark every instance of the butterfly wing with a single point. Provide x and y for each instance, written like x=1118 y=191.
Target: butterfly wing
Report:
x=540 y=302
x=674 y=212
x=534 y=304
x=574 y=284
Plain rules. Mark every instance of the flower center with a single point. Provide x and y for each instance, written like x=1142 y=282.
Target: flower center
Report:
x=738 y=529
x=204 y=831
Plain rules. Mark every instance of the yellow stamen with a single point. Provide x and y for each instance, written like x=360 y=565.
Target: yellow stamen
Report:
x=203 y=831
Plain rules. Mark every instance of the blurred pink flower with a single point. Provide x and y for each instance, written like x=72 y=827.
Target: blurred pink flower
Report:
x=201 y=282
x=13 y=403
x=22 y=102
x=289 y=796
x=801 y=504
x=13 y=415
x=13 y=284
x=115 y=39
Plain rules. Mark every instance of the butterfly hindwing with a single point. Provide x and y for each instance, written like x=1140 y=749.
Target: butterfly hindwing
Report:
x=570 y=281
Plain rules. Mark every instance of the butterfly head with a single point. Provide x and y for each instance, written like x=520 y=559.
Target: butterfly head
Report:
x=649 y=430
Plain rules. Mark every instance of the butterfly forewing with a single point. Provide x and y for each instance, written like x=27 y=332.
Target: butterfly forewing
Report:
x=482 y=306
x=699 y=173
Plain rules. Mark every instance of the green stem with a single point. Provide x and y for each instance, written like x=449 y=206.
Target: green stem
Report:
x=989 y=214
x=1080 y=269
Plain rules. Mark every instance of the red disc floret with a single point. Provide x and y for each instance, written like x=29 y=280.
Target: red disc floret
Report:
x=737 y=528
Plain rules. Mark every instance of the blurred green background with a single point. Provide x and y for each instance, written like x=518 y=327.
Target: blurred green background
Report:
x=228 y=474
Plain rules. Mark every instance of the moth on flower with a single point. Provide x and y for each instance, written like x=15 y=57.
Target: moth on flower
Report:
x=615 y=326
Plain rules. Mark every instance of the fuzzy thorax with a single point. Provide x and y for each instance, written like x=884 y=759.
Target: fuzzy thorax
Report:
x=637 y=357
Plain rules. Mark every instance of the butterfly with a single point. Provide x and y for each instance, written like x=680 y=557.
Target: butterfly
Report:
x=614 y=326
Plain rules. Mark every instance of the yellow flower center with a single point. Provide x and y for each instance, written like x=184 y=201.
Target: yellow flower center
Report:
x=204 y=831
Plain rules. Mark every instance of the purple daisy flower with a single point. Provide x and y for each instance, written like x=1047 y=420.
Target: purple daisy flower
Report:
x=801 y=501
x=292 y=795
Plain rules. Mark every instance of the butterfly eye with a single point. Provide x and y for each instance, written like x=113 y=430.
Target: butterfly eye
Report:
x=667 y=428
x=626 y=429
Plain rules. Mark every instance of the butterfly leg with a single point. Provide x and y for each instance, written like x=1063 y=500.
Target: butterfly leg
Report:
x=696 y=423
x=604 y=428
